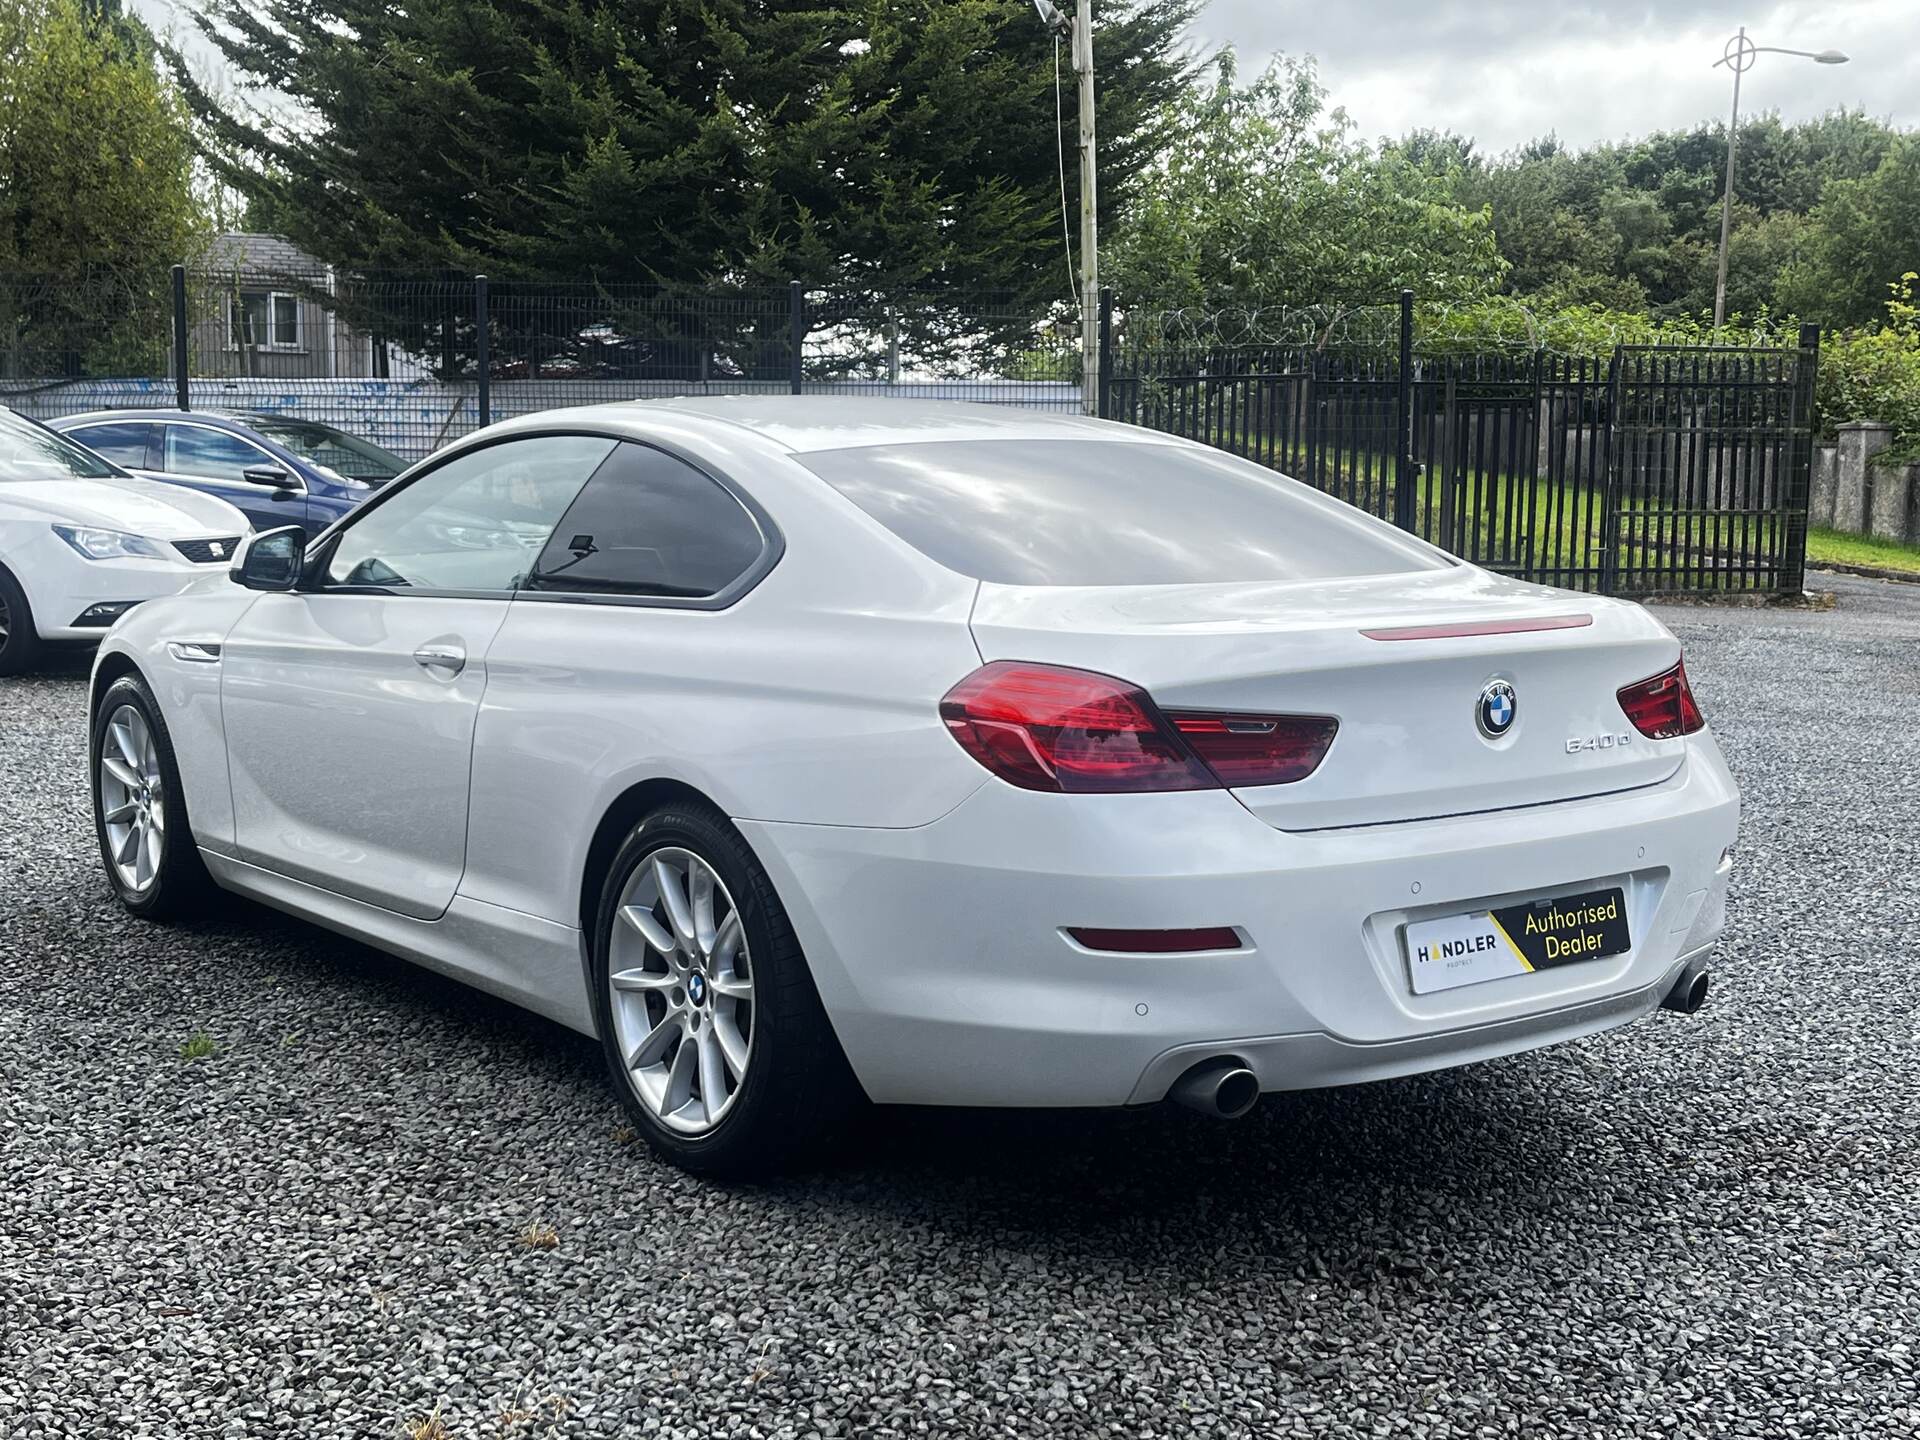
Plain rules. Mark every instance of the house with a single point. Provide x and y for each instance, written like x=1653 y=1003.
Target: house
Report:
x=267 y=311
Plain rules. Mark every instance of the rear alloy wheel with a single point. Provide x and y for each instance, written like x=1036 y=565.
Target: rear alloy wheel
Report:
x=680 y=985
x=139 y=812
x=19 y=641
x=715 y=1035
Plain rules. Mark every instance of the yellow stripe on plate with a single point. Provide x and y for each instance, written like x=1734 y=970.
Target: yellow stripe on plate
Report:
x=1525 y=964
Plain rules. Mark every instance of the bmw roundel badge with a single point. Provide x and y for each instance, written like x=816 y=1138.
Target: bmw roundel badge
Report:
x=1496 y=709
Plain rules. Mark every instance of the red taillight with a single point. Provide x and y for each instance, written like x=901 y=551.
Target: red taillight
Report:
x=1257 y=749
x=1047 y=727
x=1662 y=707
x=1044 y=727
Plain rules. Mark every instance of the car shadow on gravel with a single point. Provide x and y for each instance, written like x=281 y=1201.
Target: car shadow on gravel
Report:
x=1333 y=1174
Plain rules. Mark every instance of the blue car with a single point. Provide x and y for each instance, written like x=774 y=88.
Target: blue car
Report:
x=276 y=469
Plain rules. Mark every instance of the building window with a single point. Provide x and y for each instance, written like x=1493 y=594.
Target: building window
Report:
x=265 y=320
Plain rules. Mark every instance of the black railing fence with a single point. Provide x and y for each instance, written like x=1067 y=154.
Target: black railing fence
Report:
x=1641 y=471
x=1650 y=470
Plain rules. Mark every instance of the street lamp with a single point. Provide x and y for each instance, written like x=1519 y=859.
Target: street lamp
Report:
x=1079 y=30
x=1738 y=57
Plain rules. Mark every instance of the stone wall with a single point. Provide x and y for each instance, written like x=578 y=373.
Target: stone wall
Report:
x=1854 y=492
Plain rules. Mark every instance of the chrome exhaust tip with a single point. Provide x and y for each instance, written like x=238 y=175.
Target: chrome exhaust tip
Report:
x=1222 y=1088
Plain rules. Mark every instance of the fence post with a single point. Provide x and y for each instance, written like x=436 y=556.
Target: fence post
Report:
x=1611 y=440
x=1404 y=513
x=482 y=350
x=1104 y=406
x=181 y=391
x=796 y=335
x=1793 y=565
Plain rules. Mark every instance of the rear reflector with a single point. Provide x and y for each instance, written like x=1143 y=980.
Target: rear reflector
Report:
x=1157 y=942
x=1480 y=627
x=1049 y=727
x=1662 y=706
x=1257 y=749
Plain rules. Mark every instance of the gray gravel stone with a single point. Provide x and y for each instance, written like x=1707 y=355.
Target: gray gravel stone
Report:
x=1688 y=1228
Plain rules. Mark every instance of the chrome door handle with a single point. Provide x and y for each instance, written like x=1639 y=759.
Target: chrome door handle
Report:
x=442 y=657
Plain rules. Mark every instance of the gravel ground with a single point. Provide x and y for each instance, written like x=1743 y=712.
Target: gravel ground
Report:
x=1687 y=1228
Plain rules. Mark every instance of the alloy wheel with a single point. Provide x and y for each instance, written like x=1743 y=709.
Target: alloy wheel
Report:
x=681 y=982
x=132 y=799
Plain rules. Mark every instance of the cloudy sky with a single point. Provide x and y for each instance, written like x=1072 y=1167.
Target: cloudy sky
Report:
x=1503 y=71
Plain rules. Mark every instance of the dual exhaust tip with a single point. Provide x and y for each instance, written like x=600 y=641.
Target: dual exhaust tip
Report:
x=1226 y=1089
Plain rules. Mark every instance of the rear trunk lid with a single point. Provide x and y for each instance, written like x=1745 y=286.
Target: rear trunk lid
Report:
x=1401 y=661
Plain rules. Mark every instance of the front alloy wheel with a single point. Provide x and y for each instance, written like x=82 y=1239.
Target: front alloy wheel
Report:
x=680 y=988
x=133 y=810
x=140 y=810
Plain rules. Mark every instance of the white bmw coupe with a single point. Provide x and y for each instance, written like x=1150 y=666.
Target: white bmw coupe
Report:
x=805 y=749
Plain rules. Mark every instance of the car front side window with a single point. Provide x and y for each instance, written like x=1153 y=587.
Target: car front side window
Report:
x=211 y=454
x=475 y=523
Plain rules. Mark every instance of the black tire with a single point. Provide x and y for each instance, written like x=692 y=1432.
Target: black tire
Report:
x=20 y=646
x=797 y=1090
x=180 y=885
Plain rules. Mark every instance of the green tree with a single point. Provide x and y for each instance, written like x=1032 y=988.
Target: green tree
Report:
x=879 y=144
x=96 y=188
x=1637 y=224
x=1861 y=238
x=1259 y=195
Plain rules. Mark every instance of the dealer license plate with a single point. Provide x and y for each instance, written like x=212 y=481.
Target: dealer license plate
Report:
x=1516 y=939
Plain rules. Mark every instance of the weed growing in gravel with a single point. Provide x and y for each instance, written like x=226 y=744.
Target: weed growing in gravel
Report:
x=624 y=1135
x=429 y=1427
x=538 y=1236
x=199 y=1046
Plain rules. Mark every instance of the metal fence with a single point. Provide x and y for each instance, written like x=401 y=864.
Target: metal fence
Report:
x=1644 y=471
x=1652 y=470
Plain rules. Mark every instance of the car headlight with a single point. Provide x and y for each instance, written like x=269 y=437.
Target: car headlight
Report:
x=108 y=544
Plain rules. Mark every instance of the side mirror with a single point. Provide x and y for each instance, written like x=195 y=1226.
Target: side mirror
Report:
x=272 y=475
x=271 y=560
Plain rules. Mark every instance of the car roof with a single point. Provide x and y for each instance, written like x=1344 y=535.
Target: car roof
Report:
x=804 y=423
x=152 y=416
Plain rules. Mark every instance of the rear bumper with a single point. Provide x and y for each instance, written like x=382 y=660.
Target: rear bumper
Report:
x=940 y=955
x=1313 y=1061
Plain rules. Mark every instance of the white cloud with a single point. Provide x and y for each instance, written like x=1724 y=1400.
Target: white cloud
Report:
x=1504 y=71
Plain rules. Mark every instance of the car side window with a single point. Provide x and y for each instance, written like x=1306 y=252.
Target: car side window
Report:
x=123 y=443
x=649 y=524
x=473 y=523
x=210 y=454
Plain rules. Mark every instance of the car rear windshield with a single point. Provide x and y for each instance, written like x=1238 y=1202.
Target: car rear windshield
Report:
x=33 y=452
x=1079 y=512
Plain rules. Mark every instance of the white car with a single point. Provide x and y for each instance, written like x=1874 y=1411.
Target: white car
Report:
x=82 y=542
x=805 y=749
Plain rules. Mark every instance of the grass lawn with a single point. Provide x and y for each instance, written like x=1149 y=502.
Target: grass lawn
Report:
x=1834 y=547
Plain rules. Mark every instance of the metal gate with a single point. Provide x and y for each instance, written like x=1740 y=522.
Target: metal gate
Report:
x=1650 y=470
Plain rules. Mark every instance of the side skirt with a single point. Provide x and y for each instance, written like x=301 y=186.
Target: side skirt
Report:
x=533 y=963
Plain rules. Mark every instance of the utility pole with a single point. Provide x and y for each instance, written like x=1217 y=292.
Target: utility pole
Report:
x=1089 y=214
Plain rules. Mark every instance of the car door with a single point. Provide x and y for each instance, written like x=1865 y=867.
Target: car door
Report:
x=215 y=462
x=349 y=704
